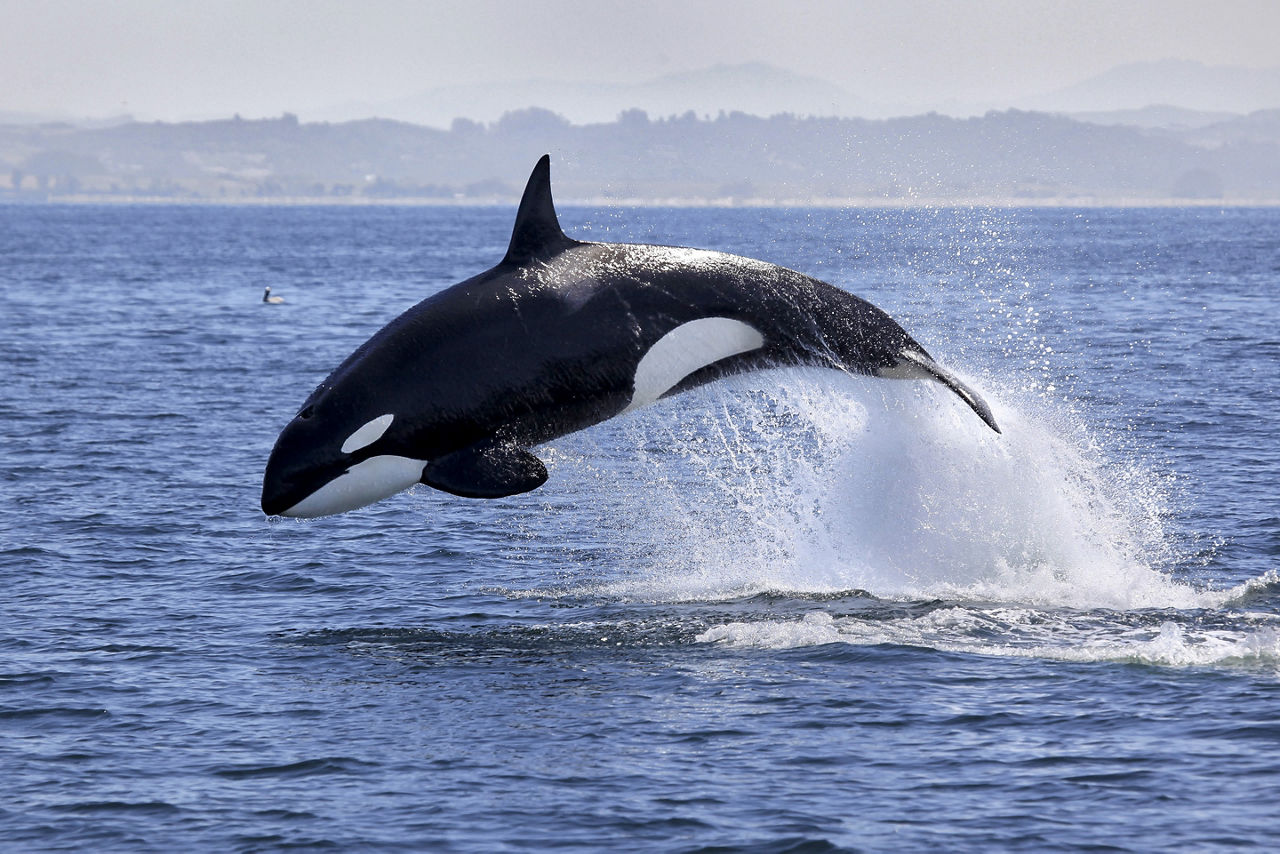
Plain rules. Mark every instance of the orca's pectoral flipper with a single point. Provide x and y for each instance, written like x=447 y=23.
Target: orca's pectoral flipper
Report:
x=927 y=367
x=493 y=469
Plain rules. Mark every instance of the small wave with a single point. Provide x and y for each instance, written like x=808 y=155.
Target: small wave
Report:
x=1253 y=590
x=303 y=768
x=156 y=808
x=1162 y=639
x=502 y=641
x=294 y=580
x=74 y=712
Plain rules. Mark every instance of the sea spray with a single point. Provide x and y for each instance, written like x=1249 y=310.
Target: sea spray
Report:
x=810 y=481
x=805 y=484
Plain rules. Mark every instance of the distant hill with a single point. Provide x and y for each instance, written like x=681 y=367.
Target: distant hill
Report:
x=1157 y=116
x=1011 y=156
x=1260 y=128
x=1180 y=83
x=1169 y=93
x=755 y=88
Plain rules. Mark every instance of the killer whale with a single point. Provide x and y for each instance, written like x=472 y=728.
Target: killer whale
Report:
x=560 y=335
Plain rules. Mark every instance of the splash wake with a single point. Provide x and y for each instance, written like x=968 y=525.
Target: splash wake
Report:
x=1039 y=542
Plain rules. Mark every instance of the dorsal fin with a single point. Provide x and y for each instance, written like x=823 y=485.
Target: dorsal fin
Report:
x=537 y=231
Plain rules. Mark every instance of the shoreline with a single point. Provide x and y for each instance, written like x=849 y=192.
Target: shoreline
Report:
x=87 y=199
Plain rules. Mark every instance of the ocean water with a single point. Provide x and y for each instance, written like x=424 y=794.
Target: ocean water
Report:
x=795 y=611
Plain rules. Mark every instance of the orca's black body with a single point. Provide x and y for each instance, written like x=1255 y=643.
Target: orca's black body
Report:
x=559 y=336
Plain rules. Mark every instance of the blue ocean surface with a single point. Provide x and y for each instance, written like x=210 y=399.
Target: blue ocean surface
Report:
x=793 y=611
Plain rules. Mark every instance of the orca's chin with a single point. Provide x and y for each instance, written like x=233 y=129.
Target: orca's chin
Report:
x=360 y=485
x=277 y=501
x=273 y=508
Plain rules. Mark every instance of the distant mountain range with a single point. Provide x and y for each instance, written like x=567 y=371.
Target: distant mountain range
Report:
x=763 y=90
x=754 y=88
x=1011 y=156
x=1168 y=93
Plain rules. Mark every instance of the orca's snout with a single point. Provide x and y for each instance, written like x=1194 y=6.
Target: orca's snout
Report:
x=273 y=502
x=289 y=478
x=277 y=494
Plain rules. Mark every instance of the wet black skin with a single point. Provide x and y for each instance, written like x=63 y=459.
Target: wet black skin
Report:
x=547 y=343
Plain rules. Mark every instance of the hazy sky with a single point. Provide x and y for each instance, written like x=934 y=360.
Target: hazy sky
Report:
x=174 y=59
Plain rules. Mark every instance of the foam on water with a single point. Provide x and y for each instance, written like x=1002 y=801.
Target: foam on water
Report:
x=1246 y=639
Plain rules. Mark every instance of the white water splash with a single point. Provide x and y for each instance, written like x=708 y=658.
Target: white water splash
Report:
x=826 y=483
x=1041 y=544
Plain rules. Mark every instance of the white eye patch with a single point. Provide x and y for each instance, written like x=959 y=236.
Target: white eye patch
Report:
x=688 y=348
x=368 y=434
